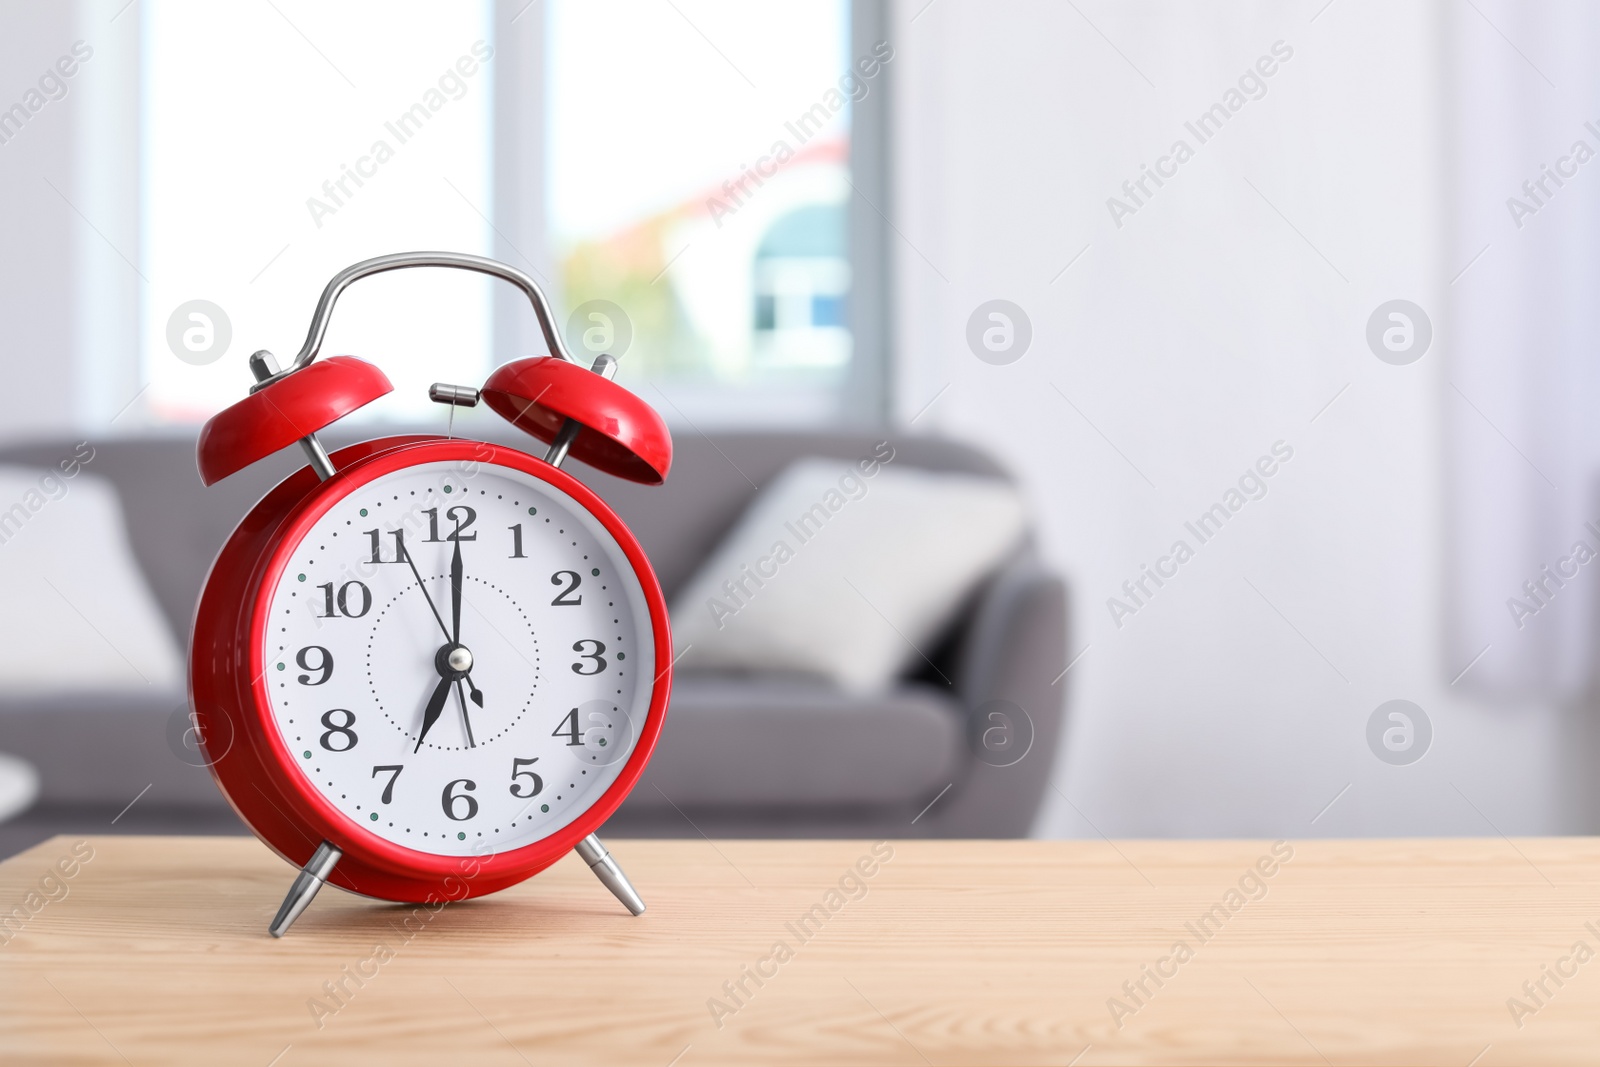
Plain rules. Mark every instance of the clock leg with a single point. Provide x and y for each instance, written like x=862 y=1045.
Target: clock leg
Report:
x=306 y=884
x=606 y=869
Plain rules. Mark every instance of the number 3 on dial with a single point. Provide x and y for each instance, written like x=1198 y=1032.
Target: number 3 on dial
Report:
x=594 y=655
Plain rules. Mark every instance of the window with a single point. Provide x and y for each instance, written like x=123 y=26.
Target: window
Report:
x=697 y=209
x=270 y=163
x=699 y=176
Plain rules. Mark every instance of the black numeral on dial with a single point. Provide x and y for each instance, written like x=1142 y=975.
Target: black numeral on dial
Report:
x=393 y=771
x=565 y=598
x=568 y=728
x=518 y=772
x=516 y=541
x=594 y=655
x=324 y=664
x=452 y=801
x=340 y=730
x=377 y=546
x=461 y=515
x=352 y=605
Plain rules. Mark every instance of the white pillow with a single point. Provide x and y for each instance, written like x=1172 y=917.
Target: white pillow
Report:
x=19 y=786
x=78 y=612
x=845 y=570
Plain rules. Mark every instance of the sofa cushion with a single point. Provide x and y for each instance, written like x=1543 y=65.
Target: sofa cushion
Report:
x=713 y=481
x=845 y=570
x=792 y=742
x=91 y=620
x=19 y=786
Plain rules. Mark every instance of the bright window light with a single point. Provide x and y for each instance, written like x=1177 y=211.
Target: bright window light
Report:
x=283 y=142
x=698 y=166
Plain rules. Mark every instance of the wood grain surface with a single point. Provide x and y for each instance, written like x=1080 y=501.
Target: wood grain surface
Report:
x=154 y=951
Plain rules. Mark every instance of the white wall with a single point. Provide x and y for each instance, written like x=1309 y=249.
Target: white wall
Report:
x=1194 y=337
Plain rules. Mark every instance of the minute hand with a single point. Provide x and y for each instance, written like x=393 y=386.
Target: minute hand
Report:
x=428 y=599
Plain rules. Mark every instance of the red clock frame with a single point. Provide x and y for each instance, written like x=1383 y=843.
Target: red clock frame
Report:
x=248 y=757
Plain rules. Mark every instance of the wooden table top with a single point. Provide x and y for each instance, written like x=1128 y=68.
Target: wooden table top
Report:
x=154 y=950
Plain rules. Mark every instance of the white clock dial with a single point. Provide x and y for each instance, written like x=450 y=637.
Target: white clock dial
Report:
x=538 y=698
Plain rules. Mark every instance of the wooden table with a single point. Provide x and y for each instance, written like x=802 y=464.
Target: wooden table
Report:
x=155 y=951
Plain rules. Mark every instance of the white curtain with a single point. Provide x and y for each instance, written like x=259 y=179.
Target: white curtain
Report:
x=1521 y=340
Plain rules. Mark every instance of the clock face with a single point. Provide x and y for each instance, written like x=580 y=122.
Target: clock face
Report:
x=459 y=657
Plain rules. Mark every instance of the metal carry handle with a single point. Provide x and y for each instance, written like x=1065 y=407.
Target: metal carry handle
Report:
x=398 y=261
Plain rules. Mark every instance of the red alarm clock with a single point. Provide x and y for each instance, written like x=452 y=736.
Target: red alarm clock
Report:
x=424 y=668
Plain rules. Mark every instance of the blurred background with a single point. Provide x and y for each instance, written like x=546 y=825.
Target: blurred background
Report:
x=1129 y=255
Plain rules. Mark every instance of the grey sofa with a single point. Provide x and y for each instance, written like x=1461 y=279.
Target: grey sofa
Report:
x=922 y=760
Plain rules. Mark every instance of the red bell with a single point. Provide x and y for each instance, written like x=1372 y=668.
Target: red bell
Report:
x=298 y=404
x=622 y=435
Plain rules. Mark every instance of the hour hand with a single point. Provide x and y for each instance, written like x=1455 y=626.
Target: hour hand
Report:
x=430 y=714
